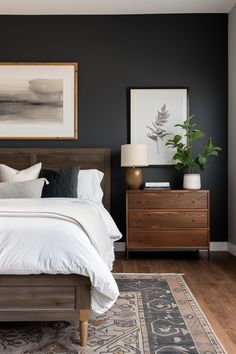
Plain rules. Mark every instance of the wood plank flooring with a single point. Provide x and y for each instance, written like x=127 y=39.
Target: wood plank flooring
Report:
x=213 y=283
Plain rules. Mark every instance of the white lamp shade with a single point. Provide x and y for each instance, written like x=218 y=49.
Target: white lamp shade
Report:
x=134 y=155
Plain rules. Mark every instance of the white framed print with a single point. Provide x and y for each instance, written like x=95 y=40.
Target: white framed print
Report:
x=38 y=100
x=154 y=112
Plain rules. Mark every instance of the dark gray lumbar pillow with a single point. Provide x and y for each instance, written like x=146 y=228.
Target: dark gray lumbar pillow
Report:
x=28 y=189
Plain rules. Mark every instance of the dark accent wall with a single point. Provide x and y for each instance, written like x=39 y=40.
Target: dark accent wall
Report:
x=119 y=52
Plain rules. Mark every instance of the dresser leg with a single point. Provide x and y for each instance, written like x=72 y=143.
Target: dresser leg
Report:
x=127 y=255
x=208 y=254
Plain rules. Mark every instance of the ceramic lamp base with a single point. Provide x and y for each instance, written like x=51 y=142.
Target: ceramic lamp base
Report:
x=133 y=177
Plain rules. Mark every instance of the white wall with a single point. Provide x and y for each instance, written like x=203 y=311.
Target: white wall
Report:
x=232 y=128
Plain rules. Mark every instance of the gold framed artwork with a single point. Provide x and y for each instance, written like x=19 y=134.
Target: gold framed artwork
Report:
x=39 y=100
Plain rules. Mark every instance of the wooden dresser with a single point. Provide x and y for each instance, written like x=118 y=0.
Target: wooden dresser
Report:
x=167 y=219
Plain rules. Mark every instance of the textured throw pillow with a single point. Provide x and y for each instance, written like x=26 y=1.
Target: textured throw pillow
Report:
x=8 y=174
x=28 y=189
x=62 y=183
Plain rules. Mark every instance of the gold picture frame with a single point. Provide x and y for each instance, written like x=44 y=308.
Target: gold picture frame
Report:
x=38 y=101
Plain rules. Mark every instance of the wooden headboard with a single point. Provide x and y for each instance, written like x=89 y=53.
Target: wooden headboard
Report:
x=21 y=158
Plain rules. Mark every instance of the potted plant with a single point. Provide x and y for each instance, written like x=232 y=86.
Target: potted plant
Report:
x=184 y=153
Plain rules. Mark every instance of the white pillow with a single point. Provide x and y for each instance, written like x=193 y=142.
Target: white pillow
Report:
x=8 y=174
x=89 y=185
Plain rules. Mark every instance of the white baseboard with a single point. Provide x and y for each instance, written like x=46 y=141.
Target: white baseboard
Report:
x=219 y=246
x=232 y=248
x=119 y=246
x=214 y=246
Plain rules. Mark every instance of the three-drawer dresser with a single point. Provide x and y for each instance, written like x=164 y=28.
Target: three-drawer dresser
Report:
x=167 y=220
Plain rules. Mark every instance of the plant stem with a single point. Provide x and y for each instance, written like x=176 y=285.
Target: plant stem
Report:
x=189 y=144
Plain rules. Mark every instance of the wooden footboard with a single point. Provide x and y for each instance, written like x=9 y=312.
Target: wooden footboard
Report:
x=46 y=298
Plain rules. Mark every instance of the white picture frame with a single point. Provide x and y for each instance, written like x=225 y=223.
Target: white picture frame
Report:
x=154 y=112
x=38 y=100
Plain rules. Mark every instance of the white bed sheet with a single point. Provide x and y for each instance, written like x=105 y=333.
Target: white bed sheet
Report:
x=49 y=244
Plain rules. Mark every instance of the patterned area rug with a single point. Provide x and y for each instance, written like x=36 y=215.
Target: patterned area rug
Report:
x=155 y=313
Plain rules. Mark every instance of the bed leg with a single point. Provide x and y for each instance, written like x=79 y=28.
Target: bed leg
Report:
x=84 y=318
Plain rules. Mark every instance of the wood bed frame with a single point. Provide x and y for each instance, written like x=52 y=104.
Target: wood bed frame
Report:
x=51 y=297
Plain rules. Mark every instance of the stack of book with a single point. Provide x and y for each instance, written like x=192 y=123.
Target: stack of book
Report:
x=156 y=185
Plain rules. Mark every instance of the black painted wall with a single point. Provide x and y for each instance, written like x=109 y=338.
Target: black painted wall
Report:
x=119 y=52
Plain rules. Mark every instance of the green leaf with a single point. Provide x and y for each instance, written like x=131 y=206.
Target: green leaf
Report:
x=177 y=138
x=180 y=125
x=179 y=165
x=178 y=156
x=202 y=160
x=196 y=134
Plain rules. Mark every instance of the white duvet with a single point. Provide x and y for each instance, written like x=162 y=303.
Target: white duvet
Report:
x=56 y=235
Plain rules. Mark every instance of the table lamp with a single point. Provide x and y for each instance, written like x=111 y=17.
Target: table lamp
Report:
x=134 y=156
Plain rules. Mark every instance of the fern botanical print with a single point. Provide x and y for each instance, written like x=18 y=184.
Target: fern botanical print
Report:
x=157 y=131
x=154 y=113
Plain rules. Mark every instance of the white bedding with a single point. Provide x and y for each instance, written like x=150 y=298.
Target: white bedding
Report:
x=56 y=235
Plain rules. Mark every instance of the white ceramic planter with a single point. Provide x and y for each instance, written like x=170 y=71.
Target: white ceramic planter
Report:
x=192 y=181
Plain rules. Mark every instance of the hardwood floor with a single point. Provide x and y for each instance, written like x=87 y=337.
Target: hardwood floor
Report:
x=213 y=283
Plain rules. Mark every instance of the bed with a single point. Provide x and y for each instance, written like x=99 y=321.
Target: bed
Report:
x=52 y=297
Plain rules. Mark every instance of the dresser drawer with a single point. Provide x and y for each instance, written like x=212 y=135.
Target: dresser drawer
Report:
x=146 y=238
x=168 y=200
x=168 y=219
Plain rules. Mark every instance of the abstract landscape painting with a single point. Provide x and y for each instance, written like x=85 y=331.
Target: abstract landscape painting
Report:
x=153 y=115
x=38 y=101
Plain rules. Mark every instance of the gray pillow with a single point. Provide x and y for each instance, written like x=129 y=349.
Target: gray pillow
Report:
x=28 y=189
